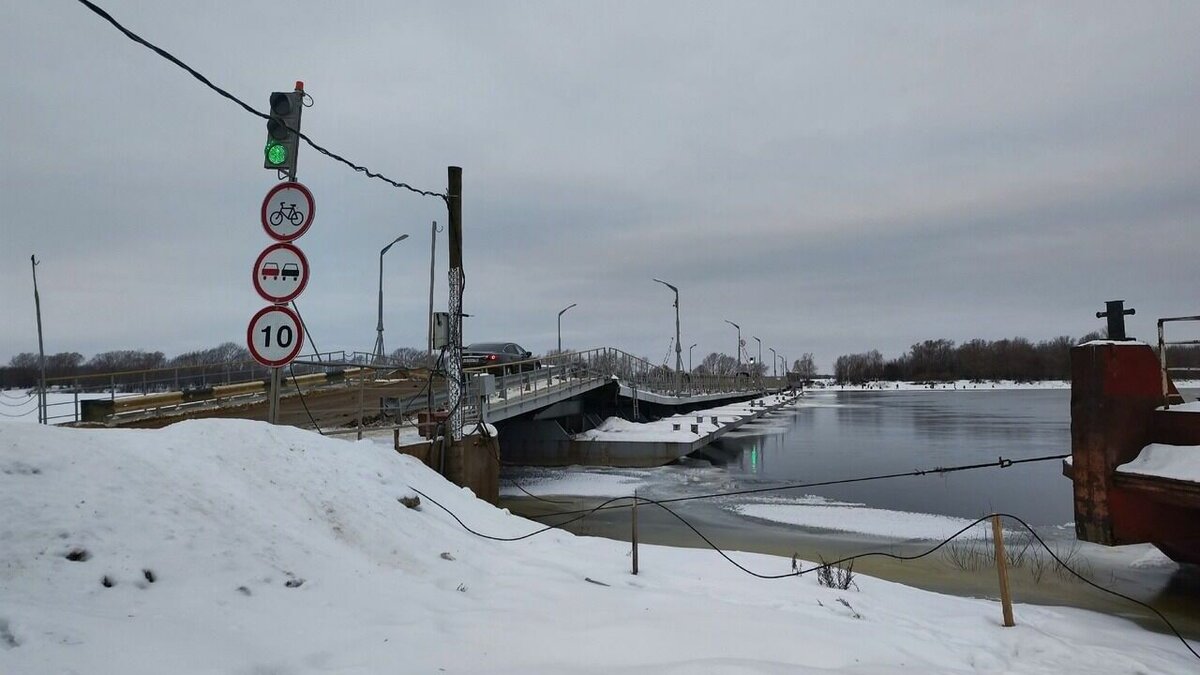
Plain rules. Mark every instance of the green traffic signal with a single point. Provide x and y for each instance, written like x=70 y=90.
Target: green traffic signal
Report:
x=277 y=154
x=283 y=130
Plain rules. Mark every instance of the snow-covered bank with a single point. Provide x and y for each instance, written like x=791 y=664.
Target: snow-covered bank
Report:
x=236 y=547
x=822 y=514
x=677 y=428
x=961 y=385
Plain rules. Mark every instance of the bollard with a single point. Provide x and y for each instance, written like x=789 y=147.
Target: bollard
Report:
x=1002 y=571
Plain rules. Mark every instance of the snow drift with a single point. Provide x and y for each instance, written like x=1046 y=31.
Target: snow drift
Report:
x=225 y=546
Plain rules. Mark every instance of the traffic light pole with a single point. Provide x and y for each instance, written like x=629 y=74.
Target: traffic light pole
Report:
x=276 y=383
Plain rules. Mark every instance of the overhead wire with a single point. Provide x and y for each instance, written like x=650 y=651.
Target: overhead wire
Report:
x=999 y=463
x=102 y=13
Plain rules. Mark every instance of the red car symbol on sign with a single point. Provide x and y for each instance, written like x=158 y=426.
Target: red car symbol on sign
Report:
x=270 y=270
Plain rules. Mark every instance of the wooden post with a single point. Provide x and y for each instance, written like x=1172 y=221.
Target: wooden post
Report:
x=361 y=384
x=635 y=537
x=1002 y=570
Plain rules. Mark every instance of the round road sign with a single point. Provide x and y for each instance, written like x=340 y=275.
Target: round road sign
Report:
x=275 y=336
x=280 y=273
x=287 y=211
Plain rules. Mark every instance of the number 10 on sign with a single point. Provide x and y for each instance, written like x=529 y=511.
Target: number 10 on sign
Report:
x=275 y=336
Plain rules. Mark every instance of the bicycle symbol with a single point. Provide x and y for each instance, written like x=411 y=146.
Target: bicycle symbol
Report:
x=294 y=216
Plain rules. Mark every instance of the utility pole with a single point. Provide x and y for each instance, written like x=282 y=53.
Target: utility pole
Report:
x=379 y=350
x=739 y=345
x=37 y=304
x=759 y=363
x=454 y=372
x=432 y=261
x=561 y=312
x=678 y=346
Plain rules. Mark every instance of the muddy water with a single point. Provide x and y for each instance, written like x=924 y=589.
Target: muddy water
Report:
x=844 y=435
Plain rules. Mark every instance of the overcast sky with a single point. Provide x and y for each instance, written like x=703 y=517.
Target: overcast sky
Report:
x=835 y=177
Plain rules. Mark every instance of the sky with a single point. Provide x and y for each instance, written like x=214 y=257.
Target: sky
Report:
x=834 y=177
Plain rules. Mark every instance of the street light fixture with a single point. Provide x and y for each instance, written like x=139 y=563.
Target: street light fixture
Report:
x=379 y=326
x=560 y=313
x=738 y=351
x=690 y=355
x=774 y=362
x=759 y=361
x=678 y=347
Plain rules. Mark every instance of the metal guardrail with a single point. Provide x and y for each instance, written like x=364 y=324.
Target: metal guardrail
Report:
x=1162 y=355
x=518 y=385
x=568 y=373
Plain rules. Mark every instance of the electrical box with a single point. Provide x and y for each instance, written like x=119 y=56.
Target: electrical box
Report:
x=487 y=384
x=440 y=326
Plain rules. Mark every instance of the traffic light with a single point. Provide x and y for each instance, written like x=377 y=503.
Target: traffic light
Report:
x=283 y=130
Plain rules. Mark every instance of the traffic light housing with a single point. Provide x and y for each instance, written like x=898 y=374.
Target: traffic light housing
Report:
x=283 y=130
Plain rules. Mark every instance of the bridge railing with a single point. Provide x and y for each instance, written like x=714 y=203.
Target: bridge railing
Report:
x=1164 y=347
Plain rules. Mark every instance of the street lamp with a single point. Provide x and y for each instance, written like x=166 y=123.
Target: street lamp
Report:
x=690 y=355
x=560 y=313
x=379 y=326
x=759 y=361
x=678 y=347
x=738 y=351
x=774 y=362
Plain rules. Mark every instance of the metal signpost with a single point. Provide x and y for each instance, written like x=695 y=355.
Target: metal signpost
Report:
x=280 y=273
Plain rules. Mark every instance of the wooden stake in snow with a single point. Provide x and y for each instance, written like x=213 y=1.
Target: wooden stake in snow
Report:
x=1002 y=570
x=634 y=536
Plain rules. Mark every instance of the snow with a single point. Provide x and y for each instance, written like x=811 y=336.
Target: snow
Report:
x=862 y=520
x=237 y=547
x=618 y=429
x=1180 y=462
x=1193 y=406
x=578 y=483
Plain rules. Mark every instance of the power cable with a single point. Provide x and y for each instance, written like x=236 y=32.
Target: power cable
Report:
x=1000 y=463
x=835 y=563
x=99 y=11
x=481 y=428
x=303 y=402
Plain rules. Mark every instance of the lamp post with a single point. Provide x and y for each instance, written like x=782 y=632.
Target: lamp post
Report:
x=560 y=313
x=690 y=355
x=379 y=326
x=678 y=347
x=759 y=361
x=738 y=351
x=783 y=359
x=774 y=362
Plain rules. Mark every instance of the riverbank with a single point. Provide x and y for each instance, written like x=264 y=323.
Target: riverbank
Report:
x=234 y=546
x=827 y=384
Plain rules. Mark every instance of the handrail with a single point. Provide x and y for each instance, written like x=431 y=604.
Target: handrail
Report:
x=1162 y=355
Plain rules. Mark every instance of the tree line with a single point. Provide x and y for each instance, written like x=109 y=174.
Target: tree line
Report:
x=1017 y=359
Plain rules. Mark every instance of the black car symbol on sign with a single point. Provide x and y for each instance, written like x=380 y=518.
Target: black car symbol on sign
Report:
x=290 y=270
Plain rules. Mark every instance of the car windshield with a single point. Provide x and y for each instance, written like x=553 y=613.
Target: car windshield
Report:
x=486 y=347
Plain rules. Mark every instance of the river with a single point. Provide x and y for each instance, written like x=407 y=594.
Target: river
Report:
x=835 y=435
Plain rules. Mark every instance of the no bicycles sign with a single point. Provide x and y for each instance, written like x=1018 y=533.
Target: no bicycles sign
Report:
x=288 y=211
x=280 y=273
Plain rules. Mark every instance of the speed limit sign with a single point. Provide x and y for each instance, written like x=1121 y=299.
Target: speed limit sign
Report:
x=275 y=336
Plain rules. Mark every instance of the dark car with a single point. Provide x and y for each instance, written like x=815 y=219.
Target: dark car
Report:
x=498 y=357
